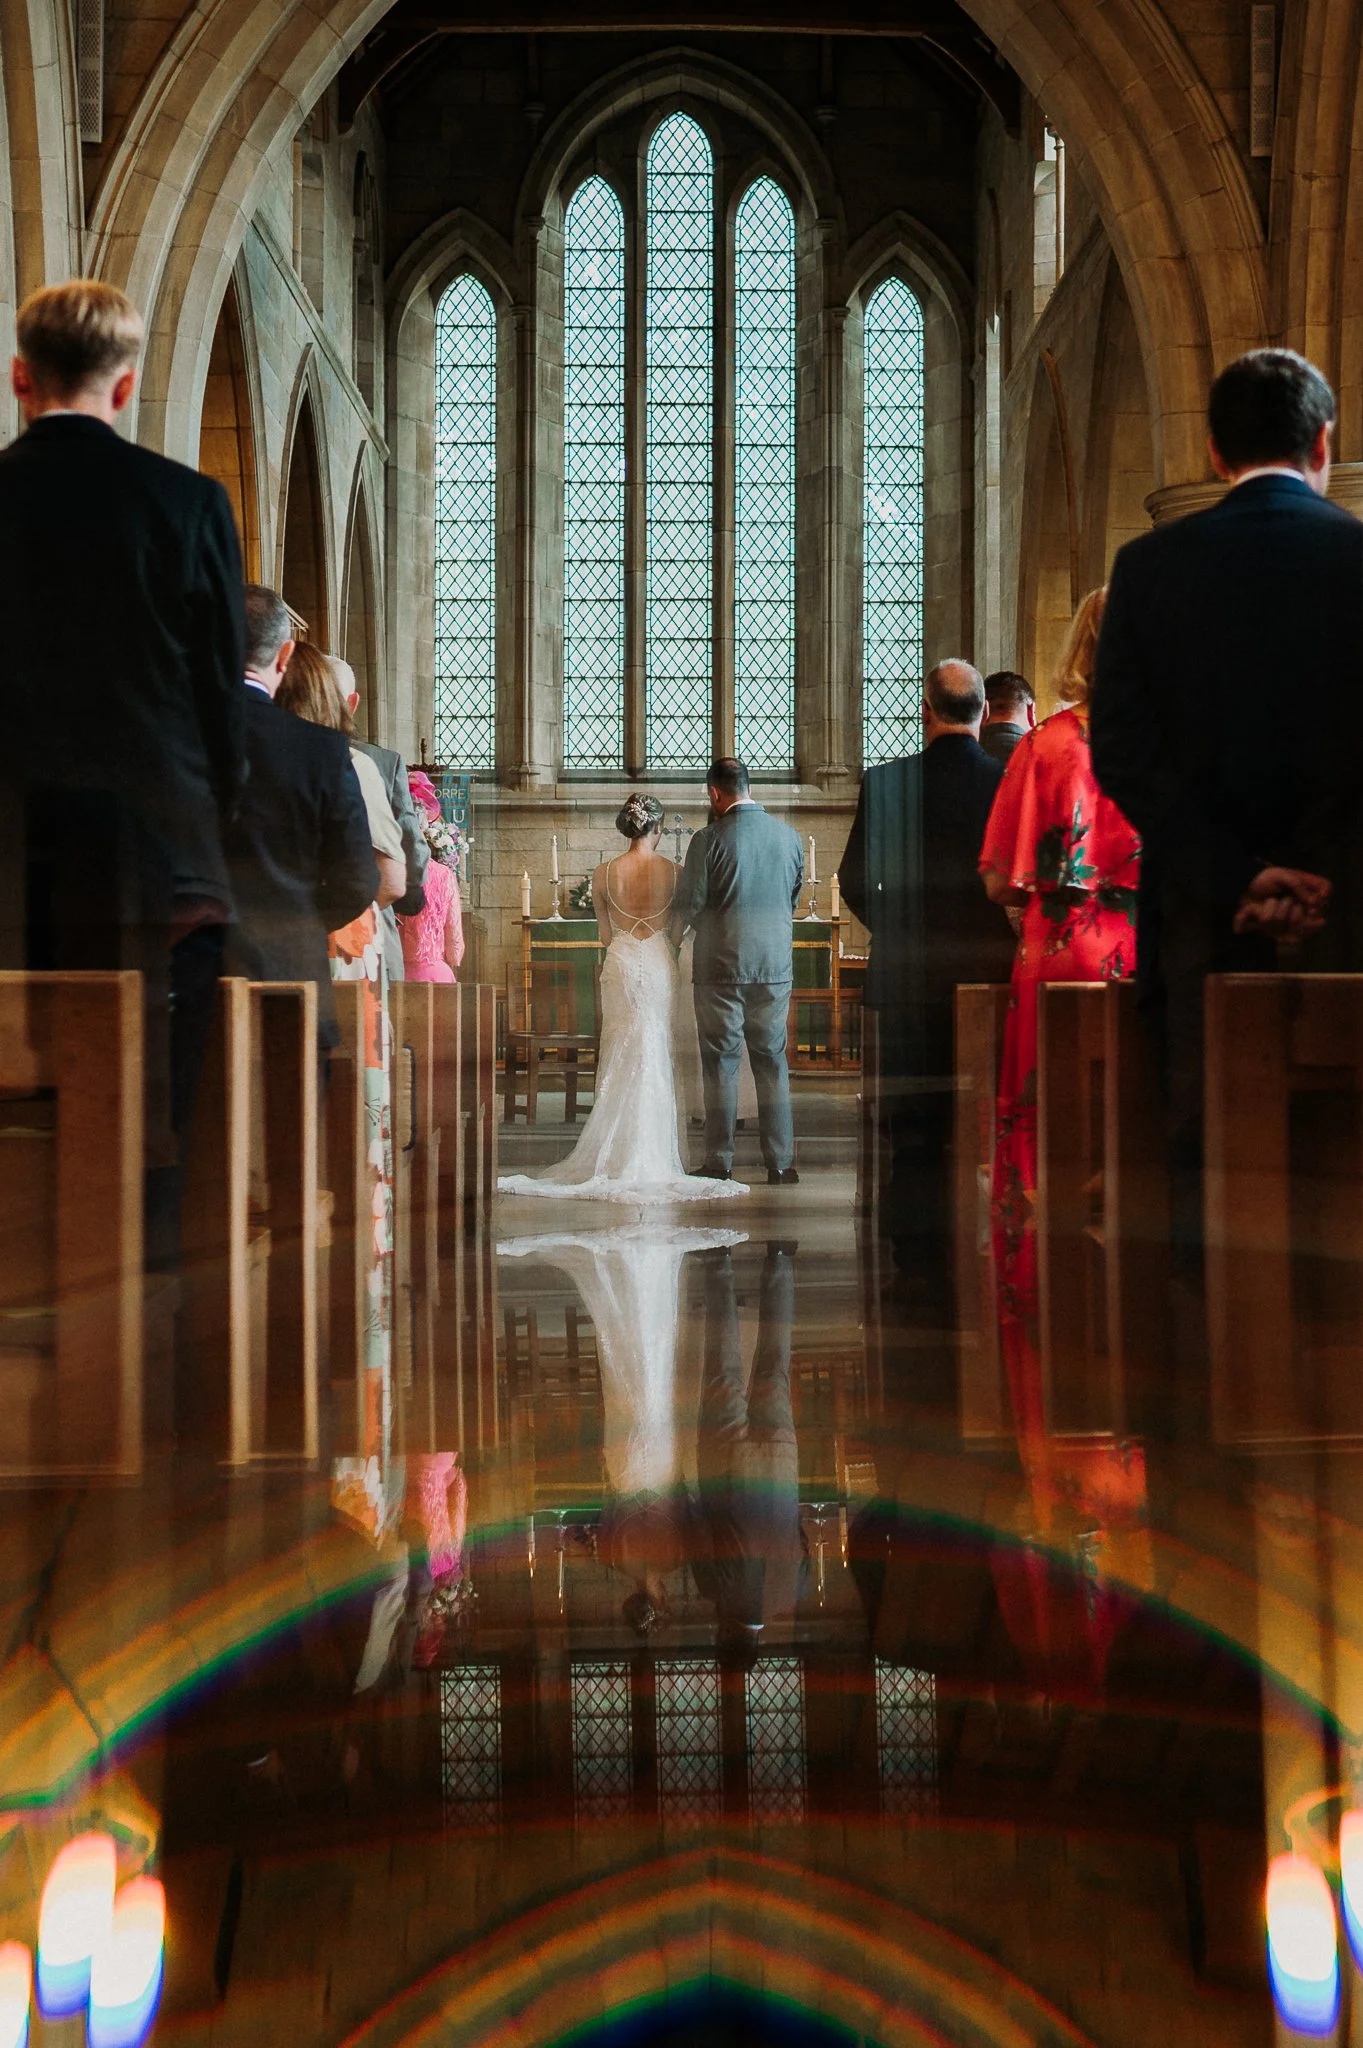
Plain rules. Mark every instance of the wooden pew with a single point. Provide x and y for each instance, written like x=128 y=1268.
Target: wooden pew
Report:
x=479 y=1043
x=1284 y=1206
x=346 y=1175
x=1102 y=1205
x=71 y=1192
x=981 y=1012
x=251 y=1226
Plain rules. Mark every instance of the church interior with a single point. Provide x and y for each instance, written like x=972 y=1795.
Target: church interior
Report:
x=613 y=388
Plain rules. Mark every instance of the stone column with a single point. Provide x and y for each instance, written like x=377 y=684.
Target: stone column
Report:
x=826 y=640
x=530 y=537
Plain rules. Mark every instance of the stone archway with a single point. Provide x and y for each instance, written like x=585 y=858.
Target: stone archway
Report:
x=359 y=616
x=1047 y=576
x=189 y=170
x=303 y=580
x=721 y=1917
x=227 y=432
x=1119 y=470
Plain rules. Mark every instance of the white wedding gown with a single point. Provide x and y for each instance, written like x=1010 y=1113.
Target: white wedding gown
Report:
x=629 y=1150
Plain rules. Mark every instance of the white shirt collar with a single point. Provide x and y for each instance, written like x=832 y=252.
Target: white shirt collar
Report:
x=1269 y=469
x=254 y=683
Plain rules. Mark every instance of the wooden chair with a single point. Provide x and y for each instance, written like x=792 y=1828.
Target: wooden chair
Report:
x=1284 y=1206
x=981 y=1013
x=1102 y=1204
x=556 y=1011
x=251 y=1225
x=71 y=1174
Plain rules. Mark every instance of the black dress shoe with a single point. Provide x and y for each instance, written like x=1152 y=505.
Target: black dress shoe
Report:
x=709 y=1173
x=782 y=1177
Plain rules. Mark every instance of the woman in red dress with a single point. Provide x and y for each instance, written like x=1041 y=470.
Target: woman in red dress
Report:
x=1059 y=848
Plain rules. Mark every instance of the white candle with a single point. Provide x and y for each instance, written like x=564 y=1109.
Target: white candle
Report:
x=555 y=856
x=813 y=860
x=836 y=890
x=525 y=893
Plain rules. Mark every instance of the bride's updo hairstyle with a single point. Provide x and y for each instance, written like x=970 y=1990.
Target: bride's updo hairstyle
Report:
x=639 y=815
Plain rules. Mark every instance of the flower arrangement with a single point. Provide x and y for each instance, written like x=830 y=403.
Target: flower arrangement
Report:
x=580 y=898
x=446 y=842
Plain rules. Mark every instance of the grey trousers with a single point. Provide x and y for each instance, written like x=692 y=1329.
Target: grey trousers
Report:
x=726 y=1016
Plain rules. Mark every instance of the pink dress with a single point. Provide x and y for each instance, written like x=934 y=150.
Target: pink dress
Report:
x=423 y=936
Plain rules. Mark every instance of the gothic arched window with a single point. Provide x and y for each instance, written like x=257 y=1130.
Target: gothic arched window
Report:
x=679 y=351
x=764 y=477
x=892 y=598
x=466 y=526
x=594 y=479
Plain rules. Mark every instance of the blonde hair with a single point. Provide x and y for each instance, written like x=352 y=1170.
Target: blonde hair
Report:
x=310 y=690
x=77 y=334
x=1074 y=677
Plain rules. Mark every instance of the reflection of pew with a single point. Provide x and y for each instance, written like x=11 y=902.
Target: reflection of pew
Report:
x=71 y=1160
x=873 y=1152
x=251 y=1224
x=347 y=1177
x=1102 y=1204
x=1284 y=1205
x=981 y=1009
x=479 y=1042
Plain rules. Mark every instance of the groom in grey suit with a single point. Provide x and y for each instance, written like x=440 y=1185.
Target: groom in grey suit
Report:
x=738 y=892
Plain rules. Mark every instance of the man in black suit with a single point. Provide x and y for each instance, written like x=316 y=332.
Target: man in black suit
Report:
x=911 y=874
x=1011 y=715
x=299 y=849
x=120 y=586
x=1229 y=671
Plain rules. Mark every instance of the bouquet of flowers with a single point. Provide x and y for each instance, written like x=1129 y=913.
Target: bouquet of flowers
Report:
x=446 y=842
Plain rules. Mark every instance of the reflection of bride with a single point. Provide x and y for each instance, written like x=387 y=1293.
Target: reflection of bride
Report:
x=629 y=1281
x=629 y=1149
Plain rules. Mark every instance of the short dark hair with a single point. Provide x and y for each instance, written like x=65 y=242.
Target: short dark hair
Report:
x=268 y=625
x=1269 y=406
x=955 y=691
x=728 y=776
x=1006 y=690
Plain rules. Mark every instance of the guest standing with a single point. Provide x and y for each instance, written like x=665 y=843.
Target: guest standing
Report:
x=310 y=690
x=120 y=584
x=433 y=939
x=1011 y=714
x=910 y=873
x=299 y=848
x=1246 y=788
x=1061 y=849
x=415 y=852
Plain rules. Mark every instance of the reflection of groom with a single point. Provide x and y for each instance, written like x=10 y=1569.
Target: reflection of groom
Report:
x=738 y=891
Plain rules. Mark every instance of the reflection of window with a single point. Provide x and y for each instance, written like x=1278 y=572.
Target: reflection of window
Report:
x=679 y=388
x=603 y=1749
x=594 y=479
x=776 y=1739
x=471 y=1744
x=906 y=1738
x=764 y=477
x=892 y=605
x=465 y=525
x=690 y=1767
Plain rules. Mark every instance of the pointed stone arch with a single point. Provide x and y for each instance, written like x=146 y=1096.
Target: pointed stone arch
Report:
x=303 y=575
x=361 y=639
x=229 y=447
x=1047 y=569
x=1120 y=469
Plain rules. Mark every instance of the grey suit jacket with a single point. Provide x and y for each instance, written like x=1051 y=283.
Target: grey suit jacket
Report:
x=417 y=854
x=738 y=891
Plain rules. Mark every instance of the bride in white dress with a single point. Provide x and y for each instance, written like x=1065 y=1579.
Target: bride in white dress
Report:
x=629 y=1150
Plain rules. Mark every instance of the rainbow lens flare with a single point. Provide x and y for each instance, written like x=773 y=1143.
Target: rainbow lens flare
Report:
x=73 y=1921
x=1351 y=1878
x=16 y=1992
x=126 y=1973
x=1303 y=1949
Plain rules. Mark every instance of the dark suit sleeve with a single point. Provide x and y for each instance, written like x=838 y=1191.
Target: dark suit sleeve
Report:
x=217 y=652
x=852 y=868
x=414 y=847
x=1133 y=758
x=348 y=874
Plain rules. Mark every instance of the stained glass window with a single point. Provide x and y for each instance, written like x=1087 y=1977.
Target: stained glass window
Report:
x=465 y=526
x=690 y=1762
x=471 y=1744
x=764 y=477
x=892 y=609
x=594 y=479
x=776 y=1739
x=603 y=1748
x=679 y=454
x=906 y=1738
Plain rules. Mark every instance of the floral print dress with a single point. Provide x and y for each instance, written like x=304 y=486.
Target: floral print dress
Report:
x=1055 y=835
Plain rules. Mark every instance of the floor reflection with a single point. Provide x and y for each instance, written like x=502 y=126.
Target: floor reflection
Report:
x=683 y=1614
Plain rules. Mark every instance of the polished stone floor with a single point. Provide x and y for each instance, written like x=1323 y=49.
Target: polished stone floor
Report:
x=701 y=1632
